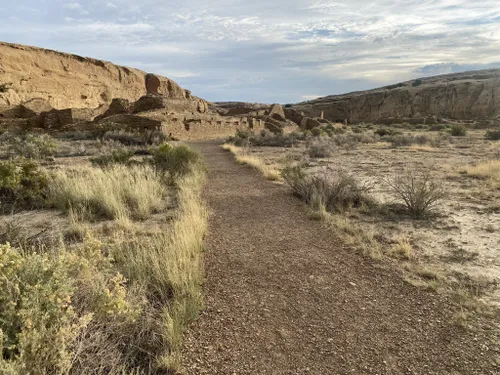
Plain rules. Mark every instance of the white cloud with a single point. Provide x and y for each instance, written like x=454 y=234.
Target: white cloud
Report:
x=290 y=47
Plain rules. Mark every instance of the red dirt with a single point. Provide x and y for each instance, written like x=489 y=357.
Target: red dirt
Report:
x=284 y=296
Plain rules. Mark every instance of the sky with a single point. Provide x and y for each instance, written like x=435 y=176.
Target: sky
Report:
x=267 y=51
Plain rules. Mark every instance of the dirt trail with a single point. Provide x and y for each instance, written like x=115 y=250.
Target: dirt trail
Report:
x=283 y=296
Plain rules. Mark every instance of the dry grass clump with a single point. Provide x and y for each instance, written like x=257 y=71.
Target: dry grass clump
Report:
x=269 y=172
x=417 y=192
x=489 y=170
x=334 y=193
x=117 y=192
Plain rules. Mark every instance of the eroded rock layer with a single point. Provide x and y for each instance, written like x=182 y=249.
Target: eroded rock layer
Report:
x=71 y=81
x=463 y=96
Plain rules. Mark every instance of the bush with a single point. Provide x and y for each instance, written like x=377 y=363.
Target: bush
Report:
x=419 y=194
x=119 y=156
x=319 y=150
x=129 y=138
x=458 y=130
x=22 y=184
x=32 y=146
x=336 y=193
x=408 y=140
x=316 y=132
x=176 y=161
x=438 y=127
x=417 y=83
x=493 y=135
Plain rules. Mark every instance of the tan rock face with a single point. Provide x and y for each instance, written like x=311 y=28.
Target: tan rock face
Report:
x=70 y=81
x=463 y=96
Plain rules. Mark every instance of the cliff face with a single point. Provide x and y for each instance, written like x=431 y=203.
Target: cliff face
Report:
x=462 y=96
x=70 y=81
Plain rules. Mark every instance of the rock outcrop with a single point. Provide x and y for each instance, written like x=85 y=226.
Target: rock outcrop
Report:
x=463 y=96
x=70 y=81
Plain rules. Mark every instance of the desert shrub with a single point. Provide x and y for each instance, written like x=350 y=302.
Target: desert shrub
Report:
x=334 y=193
x=32 y=146
x=458 y=130
x=493 y=135
x=418 y=193
x=316 y=132
x=38 y=323
x=118 y=156
x=383 y=132
x=130 y=138
x=319 y=149
x=269 y=139
x=417 y=83
x=176 y=161
x=23 y=184
x=408 y=140
x=117 y=192
x=438 y=127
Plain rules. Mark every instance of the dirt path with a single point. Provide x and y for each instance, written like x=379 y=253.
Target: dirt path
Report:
x=284 y=297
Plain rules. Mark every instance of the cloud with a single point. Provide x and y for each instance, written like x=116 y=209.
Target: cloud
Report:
x=277 y=51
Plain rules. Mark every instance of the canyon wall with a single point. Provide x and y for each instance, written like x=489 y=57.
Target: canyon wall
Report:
x=462 y=96
x=71 y=81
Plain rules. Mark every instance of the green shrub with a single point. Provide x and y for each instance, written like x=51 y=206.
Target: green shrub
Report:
x=119 y=156
x=418 y=193
x=334 y=193
x=316 y=132
x=176 y=161
x=383 y=132
x=32 y=146
x=493 y=135
x=22 y=184
x=417 y=83
x=458 y=130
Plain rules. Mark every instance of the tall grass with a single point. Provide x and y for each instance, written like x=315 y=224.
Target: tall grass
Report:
x=118 y=192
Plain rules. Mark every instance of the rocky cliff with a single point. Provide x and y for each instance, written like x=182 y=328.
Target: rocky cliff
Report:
x=71 y=81
x=463 y=96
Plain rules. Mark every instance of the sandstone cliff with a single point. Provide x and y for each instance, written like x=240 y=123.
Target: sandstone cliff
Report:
x=70 y=81
x=463 y=96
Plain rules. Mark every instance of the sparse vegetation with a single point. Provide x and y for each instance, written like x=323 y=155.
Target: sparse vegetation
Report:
x=242 y=157
x=417 y=192
x=118 y=156
x=30 y=146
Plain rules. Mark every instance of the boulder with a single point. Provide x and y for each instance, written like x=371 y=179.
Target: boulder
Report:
x=149 y=102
